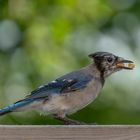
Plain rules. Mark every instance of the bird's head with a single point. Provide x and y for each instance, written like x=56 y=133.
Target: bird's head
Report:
x=108 y=63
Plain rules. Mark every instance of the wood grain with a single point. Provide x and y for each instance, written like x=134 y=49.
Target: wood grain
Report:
x=69 y=132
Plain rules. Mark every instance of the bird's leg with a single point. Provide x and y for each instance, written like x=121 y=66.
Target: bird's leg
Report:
x=68 y=121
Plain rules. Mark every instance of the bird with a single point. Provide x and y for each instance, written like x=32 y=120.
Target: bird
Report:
x=73 y=91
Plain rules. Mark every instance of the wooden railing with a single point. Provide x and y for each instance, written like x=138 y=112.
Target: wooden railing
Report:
x=99 y=132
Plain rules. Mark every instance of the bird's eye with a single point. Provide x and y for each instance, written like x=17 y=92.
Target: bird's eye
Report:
x=110 y=59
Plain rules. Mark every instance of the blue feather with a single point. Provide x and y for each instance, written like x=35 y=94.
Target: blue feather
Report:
x=15 y=106
x=67 y=83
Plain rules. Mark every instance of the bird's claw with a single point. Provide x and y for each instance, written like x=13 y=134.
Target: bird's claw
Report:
x=74 y=123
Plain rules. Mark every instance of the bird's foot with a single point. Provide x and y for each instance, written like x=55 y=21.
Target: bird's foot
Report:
x=73 y=122
x=68 y=121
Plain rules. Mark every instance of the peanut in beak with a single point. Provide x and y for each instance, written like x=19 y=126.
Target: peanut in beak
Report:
x=126 y=65
x=131 y=65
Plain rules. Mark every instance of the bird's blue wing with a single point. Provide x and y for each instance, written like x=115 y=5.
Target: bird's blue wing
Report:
x=59 y=86
x=63 y=85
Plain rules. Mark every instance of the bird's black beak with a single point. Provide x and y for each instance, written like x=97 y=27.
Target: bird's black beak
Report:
x=125 y=64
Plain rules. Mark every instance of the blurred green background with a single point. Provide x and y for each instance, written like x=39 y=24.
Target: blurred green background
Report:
x=42 y=40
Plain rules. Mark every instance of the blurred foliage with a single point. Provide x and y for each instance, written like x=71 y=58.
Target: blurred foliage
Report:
x=42 y=40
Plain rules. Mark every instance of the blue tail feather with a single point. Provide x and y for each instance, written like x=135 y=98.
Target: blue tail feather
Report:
x=15 y=106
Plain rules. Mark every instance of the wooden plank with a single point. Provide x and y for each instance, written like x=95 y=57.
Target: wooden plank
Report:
x=69 y=132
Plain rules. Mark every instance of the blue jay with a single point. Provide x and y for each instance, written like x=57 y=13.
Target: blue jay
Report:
x=73 y=91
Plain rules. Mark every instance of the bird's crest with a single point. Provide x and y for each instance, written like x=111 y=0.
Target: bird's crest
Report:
x=98 y=54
